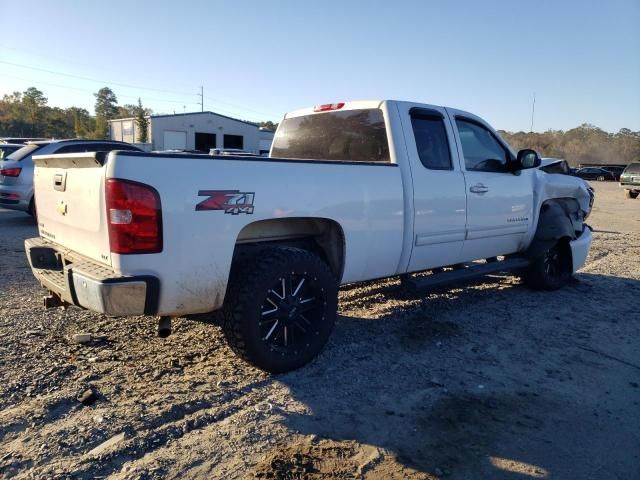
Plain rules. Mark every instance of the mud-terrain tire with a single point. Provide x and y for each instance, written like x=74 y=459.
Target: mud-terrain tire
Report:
x=280 y=308
x=551 y=270
x=630 y=194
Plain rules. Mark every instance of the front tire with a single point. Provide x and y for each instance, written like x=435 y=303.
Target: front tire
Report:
x=630 y=194
x=552 y=270
x=280 y=308
x=601 y=178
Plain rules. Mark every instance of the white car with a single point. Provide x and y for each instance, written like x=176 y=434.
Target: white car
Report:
x=351 y=192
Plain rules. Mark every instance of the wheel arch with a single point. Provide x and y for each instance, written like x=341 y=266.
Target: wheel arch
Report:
x=559 y=220
x=319 y=235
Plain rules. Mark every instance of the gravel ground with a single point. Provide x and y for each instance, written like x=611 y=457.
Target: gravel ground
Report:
x=491 y=380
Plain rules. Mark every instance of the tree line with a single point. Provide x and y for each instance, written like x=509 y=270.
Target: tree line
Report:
x=27 y=114
x=584 y=144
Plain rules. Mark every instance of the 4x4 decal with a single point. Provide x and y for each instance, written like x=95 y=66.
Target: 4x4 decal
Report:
x=231 y=201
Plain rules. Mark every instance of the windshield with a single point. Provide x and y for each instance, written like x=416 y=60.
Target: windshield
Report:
x=633 y=168
x=350 y=135
x=23 y=152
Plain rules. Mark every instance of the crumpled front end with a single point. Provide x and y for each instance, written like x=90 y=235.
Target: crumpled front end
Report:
x=564 y=203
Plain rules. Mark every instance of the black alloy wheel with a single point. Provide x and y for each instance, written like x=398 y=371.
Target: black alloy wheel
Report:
x=292 y=313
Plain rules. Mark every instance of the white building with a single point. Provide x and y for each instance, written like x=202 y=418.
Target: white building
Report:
x=191 y=131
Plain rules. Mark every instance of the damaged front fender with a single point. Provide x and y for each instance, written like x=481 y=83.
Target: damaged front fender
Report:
x=560 y=218
x=563 y=203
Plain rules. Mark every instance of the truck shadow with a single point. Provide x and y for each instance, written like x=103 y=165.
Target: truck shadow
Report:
x=475 y=383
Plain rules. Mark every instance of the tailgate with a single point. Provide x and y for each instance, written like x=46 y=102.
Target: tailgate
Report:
x=69 y=192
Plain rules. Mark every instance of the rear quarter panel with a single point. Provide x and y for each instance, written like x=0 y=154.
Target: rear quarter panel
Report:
x=365 y=200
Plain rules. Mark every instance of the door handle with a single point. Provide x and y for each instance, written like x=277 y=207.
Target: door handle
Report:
x=479 y=188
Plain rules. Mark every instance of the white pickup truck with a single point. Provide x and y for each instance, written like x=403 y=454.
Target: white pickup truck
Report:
x=351 y=192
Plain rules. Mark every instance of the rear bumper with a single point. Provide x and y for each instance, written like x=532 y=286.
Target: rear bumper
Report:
x=15 y=197
x=88 y=284
x=580 y=248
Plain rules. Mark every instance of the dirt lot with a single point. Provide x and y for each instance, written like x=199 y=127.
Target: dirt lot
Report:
x=487 y=381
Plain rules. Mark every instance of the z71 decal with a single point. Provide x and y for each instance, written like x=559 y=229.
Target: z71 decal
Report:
x=231 y=201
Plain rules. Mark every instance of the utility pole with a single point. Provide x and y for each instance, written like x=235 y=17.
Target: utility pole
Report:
x=201 y=95
x=533 y=110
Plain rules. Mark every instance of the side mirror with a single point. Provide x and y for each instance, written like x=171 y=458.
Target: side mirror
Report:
x=528 y=158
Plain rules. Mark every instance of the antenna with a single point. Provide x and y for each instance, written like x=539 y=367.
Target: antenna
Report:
x=533 y=110
x=201 y=95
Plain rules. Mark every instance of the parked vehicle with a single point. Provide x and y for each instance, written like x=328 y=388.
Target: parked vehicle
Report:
x=594 y=173
x=351 y=192
x=630 y=180
x=23 y=140
x=615 y=171
x=16 y=170
x=7 y=149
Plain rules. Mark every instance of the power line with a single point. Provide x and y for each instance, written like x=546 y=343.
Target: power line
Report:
x=66 y=87
x=80 y=77
x=38 y=82
x=126 y=85
x=201 y=95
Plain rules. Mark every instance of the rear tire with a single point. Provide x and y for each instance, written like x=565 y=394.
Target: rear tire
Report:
x=630 y=194
x=552 y=270
x=601 y=178
x=32 y=210
x=280 y=308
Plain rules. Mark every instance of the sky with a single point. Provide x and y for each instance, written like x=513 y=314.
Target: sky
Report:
x=257 y=60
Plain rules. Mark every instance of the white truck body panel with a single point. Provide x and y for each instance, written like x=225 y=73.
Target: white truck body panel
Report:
x=198 y=248
x=395 y=217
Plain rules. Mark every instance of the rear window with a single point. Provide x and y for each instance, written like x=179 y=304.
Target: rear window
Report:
x=23 y=152
x=350 y=135
x=633 y=168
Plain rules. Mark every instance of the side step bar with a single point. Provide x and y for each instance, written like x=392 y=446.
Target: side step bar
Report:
x=463 y=274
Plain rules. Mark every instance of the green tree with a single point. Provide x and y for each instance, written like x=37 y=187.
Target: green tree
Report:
x=268 y=124
x=142 y=123
x=106 y=108
x=127 y=111
x=84 y=125
x=34 y=102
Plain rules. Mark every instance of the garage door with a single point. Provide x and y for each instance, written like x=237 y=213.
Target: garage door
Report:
x=175 y=140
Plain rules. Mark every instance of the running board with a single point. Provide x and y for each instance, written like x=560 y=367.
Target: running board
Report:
x=463 y=274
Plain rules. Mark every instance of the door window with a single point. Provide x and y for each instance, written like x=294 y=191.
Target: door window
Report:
x=481 y=149
x=431 y=141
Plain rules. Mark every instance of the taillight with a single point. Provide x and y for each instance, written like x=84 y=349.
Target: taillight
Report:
x=134 y=217
x=328 y=106
x=10 y=172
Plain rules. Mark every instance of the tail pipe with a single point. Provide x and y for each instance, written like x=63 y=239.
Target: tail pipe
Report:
x=164 y=327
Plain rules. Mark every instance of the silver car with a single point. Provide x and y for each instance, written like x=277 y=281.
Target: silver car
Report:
x=16 y=170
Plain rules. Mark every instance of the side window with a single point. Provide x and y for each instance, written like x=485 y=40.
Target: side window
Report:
x=77 y=148
x=431 y=141
x=104 y=147
x=481 y=150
